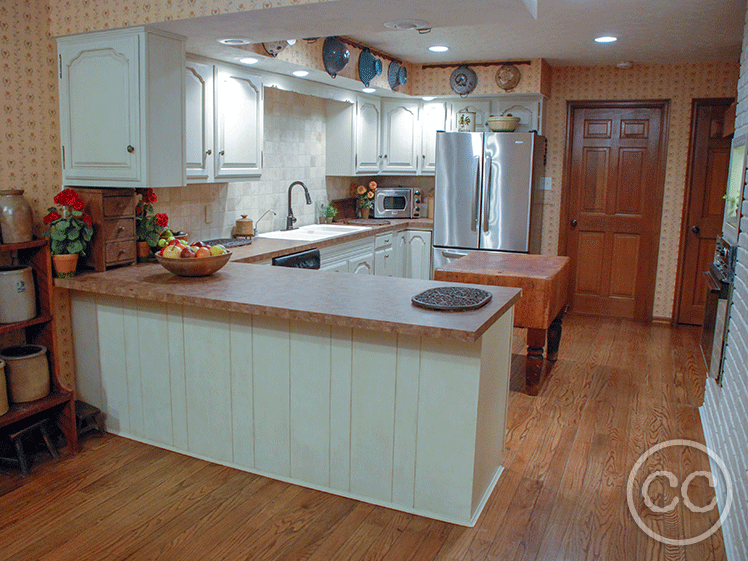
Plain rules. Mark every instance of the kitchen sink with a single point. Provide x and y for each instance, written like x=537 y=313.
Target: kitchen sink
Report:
x=313 y=232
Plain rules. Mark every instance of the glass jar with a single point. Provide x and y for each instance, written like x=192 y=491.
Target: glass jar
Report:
x=15 y=217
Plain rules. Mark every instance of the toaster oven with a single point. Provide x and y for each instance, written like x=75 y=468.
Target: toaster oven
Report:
x=397 y=202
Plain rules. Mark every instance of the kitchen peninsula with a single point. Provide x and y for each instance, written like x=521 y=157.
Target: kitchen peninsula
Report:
x=332 y=381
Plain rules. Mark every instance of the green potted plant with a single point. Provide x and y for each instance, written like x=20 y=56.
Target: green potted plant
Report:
x=70 y=232
x=327 y=212
x=149 y=225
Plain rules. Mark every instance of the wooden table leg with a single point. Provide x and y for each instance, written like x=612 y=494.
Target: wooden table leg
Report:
x=554 y=337
x=534 y=362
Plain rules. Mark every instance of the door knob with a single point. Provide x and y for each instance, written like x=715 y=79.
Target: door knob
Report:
x=696 y=230
x=573 y=223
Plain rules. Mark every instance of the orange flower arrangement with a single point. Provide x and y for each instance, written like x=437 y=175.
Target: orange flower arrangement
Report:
x=364 y=194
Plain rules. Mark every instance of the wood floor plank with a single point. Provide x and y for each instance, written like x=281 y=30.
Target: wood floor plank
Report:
x=618 y=388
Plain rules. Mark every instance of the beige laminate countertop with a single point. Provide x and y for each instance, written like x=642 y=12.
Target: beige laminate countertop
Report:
x=357 y=301
x=262 y=249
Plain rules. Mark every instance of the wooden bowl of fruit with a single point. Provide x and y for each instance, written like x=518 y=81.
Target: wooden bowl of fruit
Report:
x=196 y=260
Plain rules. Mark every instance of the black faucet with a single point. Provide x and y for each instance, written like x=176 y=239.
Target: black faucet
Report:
x=290 y=219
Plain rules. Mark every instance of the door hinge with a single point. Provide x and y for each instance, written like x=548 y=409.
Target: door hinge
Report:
x=60 y=65
x=262 y=159
x=63 y=157
x=355 y=161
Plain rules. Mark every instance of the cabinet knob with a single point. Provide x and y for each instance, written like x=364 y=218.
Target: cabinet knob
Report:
x=130 y=148
x=222 y=152
x=385 y=155
x=423 y=156
x=208 y=152
x=121 y=229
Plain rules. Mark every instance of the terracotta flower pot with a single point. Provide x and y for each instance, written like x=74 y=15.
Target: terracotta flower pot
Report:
x=144 y=252
x=365 y=213
x=65 y=265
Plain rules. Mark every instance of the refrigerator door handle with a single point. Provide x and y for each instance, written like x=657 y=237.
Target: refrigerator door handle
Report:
x=453 y=254
x=476 y=198
x=487 y=191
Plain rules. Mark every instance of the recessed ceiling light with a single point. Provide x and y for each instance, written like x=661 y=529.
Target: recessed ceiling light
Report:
x=625 y=64
x=369 y=90
x=234 y=41
x=606 y=39
x=291 y=42
x=428 y=98
x=403 y=24
x=438 y=49
x=300 y=73
x=248 y=60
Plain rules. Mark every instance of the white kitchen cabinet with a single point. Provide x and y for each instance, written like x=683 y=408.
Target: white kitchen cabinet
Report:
x=482 y=110
x=401 y=136
x=224 y=123
x=386 y=256
x=199 y=121
x=417 y=256
x=353 y=257
x=529 y=108
x=121 y=108
x=238 y=129
x=368 y=154
x=353 y=136
x=433 y=118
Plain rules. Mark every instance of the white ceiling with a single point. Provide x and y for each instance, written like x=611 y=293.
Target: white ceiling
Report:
x=654 y=31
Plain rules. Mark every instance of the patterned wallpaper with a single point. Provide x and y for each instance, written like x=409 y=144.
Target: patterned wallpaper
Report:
x=680 y=84
x=29 y=143
x=79 y=16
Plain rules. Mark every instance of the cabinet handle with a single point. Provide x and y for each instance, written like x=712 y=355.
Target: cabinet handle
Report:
x=208 y=152
x=121 y=229
x=130 y=148
x=222 y=152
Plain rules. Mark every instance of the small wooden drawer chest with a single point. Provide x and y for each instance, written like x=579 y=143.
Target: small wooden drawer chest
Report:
x=113 y=215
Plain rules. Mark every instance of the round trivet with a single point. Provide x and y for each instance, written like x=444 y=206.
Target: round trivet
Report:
x=452 y=298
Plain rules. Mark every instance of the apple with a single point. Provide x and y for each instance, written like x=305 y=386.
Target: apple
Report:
x=218 y=249
x=187 y=253
x=202 y=252
x=172 y=252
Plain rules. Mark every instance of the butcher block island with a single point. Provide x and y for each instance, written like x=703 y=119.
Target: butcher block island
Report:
x=332 y=381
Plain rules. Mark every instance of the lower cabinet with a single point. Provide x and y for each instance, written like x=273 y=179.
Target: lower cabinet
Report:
x=396 y=254
x=353 y=257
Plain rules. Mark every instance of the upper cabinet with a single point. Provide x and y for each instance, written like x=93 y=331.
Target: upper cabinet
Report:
x=465 y=111
x=119 y=123
x=368 y=156
x=433 y=118
x=238 y=129
x=224 y=109
x=401 y=136
x=528 y=108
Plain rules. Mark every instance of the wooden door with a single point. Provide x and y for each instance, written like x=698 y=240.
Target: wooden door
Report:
x=615 y=171
x=708 y=163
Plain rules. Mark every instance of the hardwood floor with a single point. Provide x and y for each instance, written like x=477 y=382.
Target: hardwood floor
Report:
x=618 y=388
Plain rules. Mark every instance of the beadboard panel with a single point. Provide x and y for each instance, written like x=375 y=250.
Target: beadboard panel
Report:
x=402 y=421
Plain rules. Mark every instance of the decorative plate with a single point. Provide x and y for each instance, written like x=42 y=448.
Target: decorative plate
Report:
x=508 y=76
x=335 y=55
x=392 y=75
x=452 y=298
x=402 y=76
x=275 y=48
x=367 y=67
x=463 y=80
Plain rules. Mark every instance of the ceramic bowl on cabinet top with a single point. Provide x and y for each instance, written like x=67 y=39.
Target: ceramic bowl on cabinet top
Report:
x=502 y=123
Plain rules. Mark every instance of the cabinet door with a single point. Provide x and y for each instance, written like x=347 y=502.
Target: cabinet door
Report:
x=335 y=266
x=401 y=136
x=433 y=118
x=482 y=110
x=100 y=118
x=418 y=256
x=362 y=264
x=239 y=124
x=199 y=121
x=367 y=136
x=528 y=108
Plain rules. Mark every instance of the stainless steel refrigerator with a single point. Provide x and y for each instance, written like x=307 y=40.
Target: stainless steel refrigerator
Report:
x=486 y=193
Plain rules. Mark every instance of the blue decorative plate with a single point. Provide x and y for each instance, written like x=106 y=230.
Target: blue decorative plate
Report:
x=367 y=70
x=392 y=74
